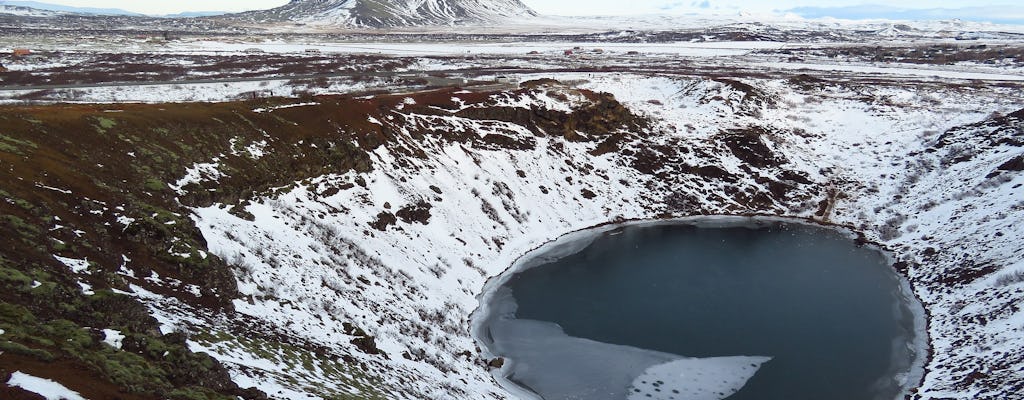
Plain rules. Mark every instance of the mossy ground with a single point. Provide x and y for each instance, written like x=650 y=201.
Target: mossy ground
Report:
x=98 y=183
x=88 y=184
x=328 y=373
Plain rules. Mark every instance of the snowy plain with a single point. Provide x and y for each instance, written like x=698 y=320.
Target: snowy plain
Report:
x=470 y=60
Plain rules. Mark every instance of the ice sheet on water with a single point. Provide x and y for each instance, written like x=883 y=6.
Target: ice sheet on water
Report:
x=557 y=366
x=565 y=246
x=695 y=378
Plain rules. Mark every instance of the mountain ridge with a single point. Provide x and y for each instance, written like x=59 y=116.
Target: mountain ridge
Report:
x=383 y=14
x=344 y=13
x=42 y=6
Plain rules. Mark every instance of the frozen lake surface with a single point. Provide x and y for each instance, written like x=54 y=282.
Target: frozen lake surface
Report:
x=765 y=311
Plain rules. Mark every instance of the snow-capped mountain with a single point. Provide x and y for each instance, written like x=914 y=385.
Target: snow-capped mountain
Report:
x=42 y=9
x=340 y=13
x=392 y=13
x=22 y=11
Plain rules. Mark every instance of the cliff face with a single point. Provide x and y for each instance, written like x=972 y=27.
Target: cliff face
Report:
x=334 y=246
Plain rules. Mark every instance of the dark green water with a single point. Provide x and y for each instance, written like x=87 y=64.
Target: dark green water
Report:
x=827 y=313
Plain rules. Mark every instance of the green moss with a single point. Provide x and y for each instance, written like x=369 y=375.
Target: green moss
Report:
x=159 y=150
x=45 y=289
x=58 y=246
x=7 y=148
x=15 y=146
x=68 y=336
x=50 y=317
x=18 y=348
x=39 y=274
x=148 y=373
x=14 y=278
x=155 y=185
x=40 y=341
x=14 y=314
x=26 y=229
x=197 y=393
x=302 y=363
x=131 y=371
x=24 y=205
x=106 y=123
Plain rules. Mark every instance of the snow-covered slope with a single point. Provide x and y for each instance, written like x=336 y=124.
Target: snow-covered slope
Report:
x=464 y=185
x=380 y=13
x=21 y=11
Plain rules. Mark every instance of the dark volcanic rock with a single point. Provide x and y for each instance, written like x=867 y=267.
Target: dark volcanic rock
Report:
x=749 y=147
x=419 y=212
x=1014 y=164
x=384 y=220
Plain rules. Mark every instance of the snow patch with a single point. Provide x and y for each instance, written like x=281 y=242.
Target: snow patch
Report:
x=282 y=107
x=77 y=266
x=86 y=288
x=113 y=337
x=59 y=190
x=123 y=220
x=198 y=173
x=49 y=389
x=257 y=150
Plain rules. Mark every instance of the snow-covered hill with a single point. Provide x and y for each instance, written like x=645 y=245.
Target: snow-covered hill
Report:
x=21 y=11
x=379 y=13
x=42 y=9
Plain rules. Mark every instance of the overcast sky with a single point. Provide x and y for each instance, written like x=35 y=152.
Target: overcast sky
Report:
x=583 y=7
x=599 y=7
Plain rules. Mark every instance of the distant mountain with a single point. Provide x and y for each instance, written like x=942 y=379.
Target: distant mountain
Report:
x=995 y=14
x=393 y=13
x=20 y=11
x=194 y=14
x=25 y=7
